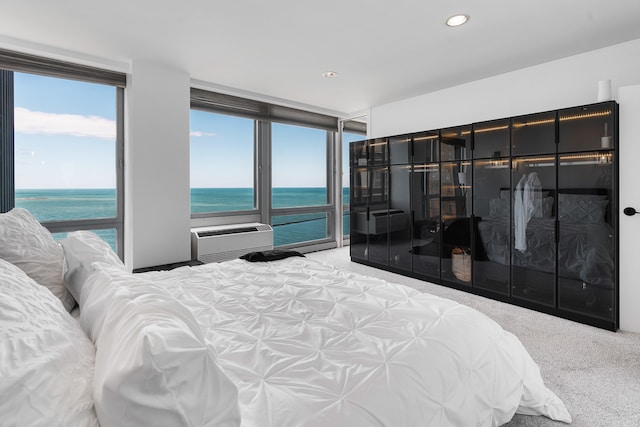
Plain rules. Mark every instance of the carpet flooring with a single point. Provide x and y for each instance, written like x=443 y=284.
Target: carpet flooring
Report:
x=595 y=372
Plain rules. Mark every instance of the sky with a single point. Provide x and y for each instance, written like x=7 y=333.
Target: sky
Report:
x=65 y=134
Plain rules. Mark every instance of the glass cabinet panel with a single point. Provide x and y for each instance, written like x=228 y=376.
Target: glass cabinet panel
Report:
x=533 y=134
x=426 y=147
x=379 y=215
x=425 y=202
x=456 y=143
x=491 y=139
x=359 y=204
x=400 y=150
x=455 y=211
x=398 y=221
x=587 y=128
x=492 y=224
x=533 y=255
x=586 y=266
x=378 y=152
x=358 y=154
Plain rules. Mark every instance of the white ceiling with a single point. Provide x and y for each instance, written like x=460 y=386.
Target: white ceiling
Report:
x=382 y=50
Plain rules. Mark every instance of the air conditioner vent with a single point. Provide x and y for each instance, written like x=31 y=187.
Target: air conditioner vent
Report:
x=226 y=231
x=226 y=242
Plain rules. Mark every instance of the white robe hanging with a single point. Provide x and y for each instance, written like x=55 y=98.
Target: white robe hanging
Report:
x=518 y=216
x=528 y=196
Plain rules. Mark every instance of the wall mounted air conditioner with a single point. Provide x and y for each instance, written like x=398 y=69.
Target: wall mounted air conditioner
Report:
x=225 y=242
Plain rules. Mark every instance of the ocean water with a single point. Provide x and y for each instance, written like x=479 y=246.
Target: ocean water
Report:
x=66 y=204
x=69 y=204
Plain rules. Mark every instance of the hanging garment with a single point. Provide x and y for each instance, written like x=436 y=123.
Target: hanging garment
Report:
x=519 y=216
x=528 y=197
x=532 y=195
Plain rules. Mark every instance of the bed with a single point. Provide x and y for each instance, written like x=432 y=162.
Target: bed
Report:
x=288 y=342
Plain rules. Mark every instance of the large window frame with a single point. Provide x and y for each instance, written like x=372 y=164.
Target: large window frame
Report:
x=264 y=116
x=11 y=62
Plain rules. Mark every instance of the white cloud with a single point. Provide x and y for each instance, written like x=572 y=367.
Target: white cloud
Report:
x=38 y=122
x=198 y=133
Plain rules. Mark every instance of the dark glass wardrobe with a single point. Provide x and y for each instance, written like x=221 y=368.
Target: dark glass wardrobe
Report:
x=521 y=209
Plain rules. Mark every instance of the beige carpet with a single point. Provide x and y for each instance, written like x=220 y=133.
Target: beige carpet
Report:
x=595 y=372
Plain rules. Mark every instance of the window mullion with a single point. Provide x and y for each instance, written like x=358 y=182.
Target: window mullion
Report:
x=337 y=179
x=120 y=185
x=7 y=162
x=264 y=170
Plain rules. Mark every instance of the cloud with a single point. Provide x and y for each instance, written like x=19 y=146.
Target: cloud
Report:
x=38 y=122
x=198 y=133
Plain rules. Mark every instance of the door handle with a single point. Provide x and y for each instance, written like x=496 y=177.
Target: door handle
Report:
x=630 y=211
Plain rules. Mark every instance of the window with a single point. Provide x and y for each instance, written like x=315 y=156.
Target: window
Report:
x=299 y=164
x=299 y=228
x=281 y=165
x=300 y=178
x=62 y=160
x=222 y=163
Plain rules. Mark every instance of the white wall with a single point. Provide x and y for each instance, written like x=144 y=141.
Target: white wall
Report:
x=629 y=197
x=157 y=211
x=563 y=83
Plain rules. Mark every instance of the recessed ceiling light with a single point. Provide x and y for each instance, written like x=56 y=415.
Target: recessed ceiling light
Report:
x=329 y=74
x=457 y=20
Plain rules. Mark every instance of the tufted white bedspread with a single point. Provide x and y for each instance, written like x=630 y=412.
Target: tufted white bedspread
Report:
x=308 y=345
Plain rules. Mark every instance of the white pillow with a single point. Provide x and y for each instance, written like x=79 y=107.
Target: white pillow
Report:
x=153 y=367
x=81 y=248
x=30 y=246
x=46 y=360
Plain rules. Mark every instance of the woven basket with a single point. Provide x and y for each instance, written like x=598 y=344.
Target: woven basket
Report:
x=461 y=264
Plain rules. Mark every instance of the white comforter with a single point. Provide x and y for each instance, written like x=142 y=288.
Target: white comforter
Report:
x=308 y=345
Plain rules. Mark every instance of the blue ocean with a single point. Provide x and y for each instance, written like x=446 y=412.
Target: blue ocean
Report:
x=70 y=204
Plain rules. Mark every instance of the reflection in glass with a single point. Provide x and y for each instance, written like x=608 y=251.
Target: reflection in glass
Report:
x=359 y=201
x=492 y=214
x=587 y=128
x=345 y=212
x=586 y=267
x=399 y=150
x=398 y=221
x=347 y=139
x=491 y=139
x=456 y=143
x=533 y=257
x=378 y=215
x=533 y=134
x=426 y=147
x=358 y=153
x=378 y=152
x=455 y=211
x=425 y=180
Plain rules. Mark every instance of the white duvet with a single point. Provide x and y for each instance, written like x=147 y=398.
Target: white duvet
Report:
x=308 y=345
